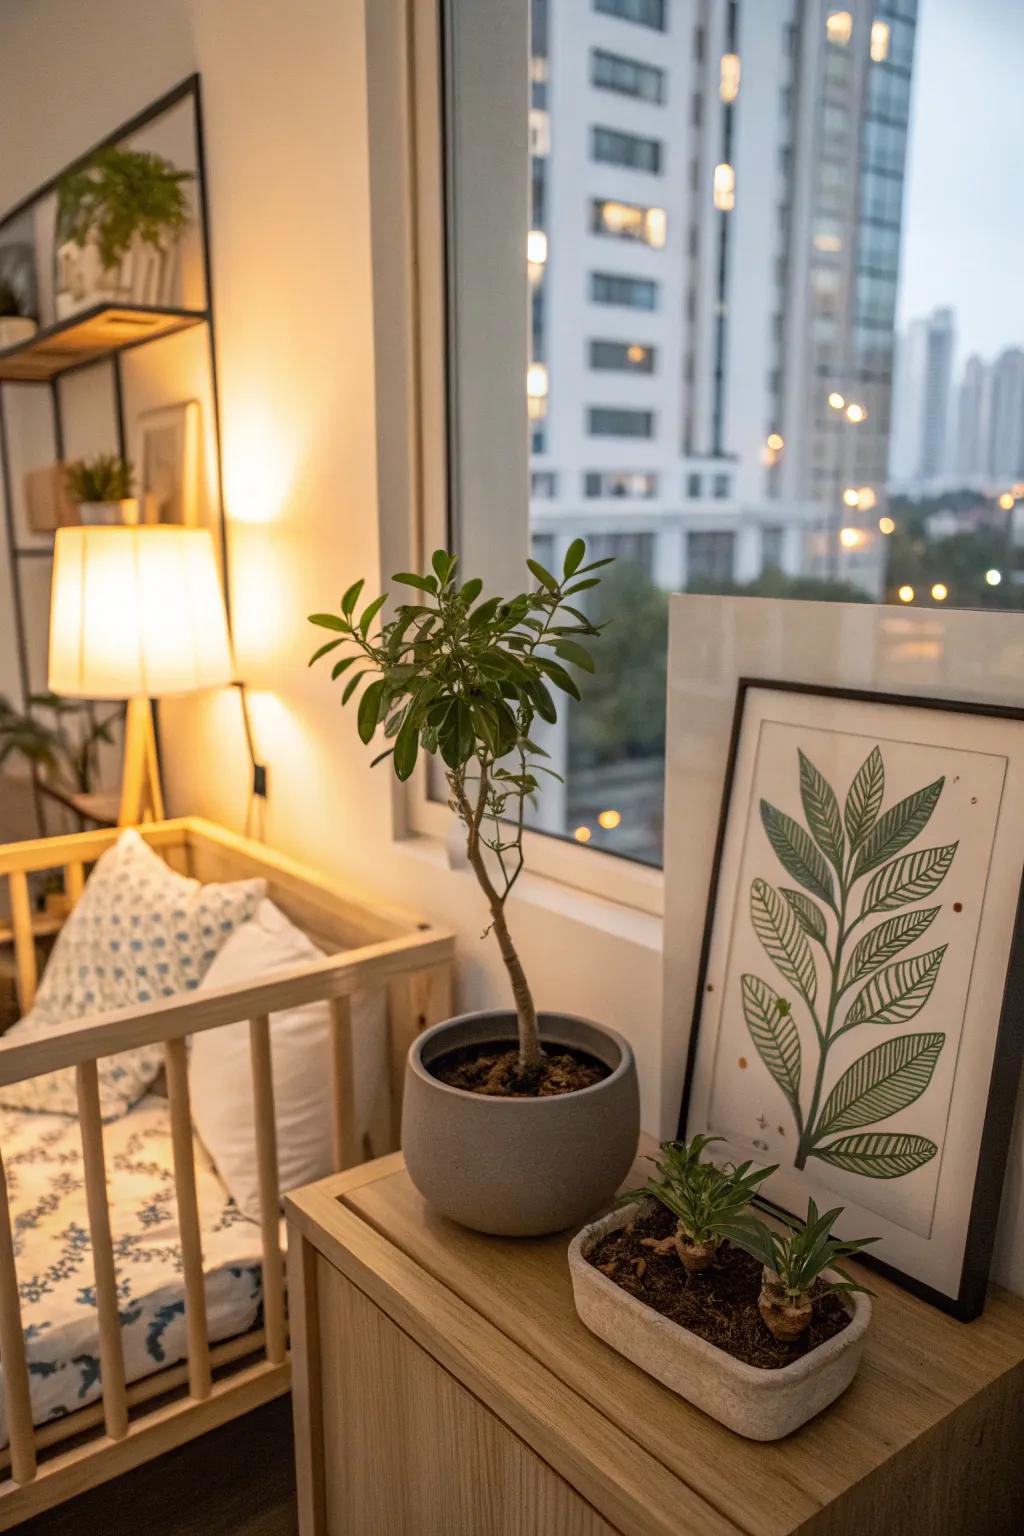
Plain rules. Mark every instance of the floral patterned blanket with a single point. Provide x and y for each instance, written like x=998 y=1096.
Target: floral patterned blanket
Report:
x=43 y=1159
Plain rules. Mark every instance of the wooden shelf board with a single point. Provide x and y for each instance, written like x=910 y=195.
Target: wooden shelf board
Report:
x=89 y=336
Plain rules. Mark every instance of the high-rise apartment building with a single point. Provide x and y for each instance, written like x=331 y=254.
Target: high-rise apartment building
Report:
x=716 y=232
x=1006 y=418
x=922 y=445
x=973 y=411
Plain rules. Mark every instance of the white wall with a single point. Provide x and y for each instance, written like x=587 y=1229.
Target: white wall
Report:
x=284 y=98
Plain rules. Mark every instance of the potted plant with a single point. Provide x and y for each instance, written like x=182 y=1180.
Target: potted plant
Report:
x=513 y=1122
x=103 y=489
x=763 y=1335
x=15 y=326
x=68 y=759
x=120 y=217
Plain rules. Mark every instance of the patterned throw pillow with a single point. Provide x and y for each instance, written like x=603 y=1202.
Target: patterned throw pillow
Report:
x=139 y=933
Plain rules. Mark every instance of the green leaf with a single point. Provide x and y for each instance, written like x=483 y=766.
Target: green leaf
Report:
x=351 y=597
x=582 y=586
x=783 y=938
x=886 y=941
x=381 y=756
x=797 y=853
x=406 y=749
x=342 y=666
x=370 y=613
x=878 y=1154
x=570 y=651
x=822 y=811
x=910 y=878
x=881 y=1083
x=369 y=710
x=543 y=702
x=470 y=590
x=810 y=916
x=421 y=583
x=559 y=676
x=352 y=685
x=442 y=564
x=485 y=613
x=774 y=1034
x=329 y=621
x=898 y=827
x=899 y=992
x=573 y=555
x=544 y=577
x=330 y=645
x=864 y=800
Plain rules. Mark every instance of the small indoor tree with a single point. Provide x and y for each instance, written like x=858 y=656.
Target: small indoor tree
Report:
x=464 y=677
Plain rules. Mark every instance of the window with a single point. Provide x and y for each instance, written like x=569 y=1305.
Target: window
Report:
x=611 y=72
x=632 y=292
x=616 y=148
x=628 y=221
x=694 y=485
x=623 y=485
x=771 y=548
x=720 y=485
x=543 y=484
x=648 y=13
x=709 y=557
x=621 y=356
x=615 y=421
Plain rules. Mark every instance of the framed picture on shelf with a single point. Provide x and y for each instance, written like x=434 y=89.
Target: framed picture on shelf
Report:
x=168 y=463
x=859 y=1009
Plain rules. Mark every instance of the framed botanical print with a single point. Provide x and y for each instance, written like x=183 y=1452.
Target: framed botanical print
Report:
x=860 y=1005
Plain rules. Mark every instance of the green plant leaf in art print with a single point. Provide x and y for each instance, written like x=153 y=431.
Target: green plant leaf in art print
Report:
x=774 y=1034
x=885 y=942
x=783 y=937
x=864 y=800
x=822 y=811
x=878 y=1154
x=897 y=827
x=881 y=1083
x=909 y=878
x=797 y=852
x=807 y=912
x=898 y=992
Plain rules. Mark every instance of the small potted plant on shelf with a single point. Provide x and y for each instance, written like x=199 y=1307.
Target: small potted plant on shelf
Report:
x=513 y=1121
x=120 y=218
x=103 y=489
x=762 y=1332
x=15 y=325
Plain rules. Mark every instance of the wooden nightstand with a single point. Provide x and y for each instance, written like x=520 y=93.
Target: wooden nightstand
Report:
x=445 y=1387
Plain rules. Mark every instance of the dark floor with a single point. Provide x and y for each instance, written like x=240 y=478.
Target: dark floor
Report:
x=237 y=1481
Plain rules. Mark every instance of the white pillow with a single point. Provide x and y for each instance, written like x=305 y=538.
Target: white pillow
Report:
x=220 y=1065
x=139 y=933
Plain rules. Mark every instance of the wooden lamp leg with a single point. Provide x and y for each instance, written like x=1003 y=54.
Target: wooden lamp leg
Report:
x=141 y=796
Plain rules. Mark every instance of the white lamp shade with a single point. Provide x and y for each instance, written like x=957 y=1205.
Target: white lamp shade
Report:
x=136 y=611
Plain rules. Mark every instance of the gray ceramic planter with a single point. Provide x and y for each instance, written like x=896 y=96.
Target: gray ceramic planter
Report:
x=760 y=1404
x=519 y=1167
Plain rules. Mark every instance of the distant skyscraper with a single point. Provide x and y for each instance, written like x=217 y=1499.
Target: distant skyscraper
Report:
x=921 y=410
x=970 y=460
x=1006 y=422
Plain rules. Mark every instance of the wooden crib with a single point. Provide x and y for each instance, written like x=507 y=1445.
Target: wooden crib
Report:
x=383 y=948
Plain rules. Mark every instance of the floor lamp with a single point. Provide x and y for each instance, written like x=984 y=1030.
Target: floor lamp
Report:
x=137 y=613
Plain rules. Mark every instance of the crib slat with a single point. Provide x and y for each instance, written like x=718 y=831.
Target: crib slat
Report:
x=344 y=1151
x=115 y=1403
x=12 y=1349
x=269 y=1188
x=74 y=880
x=24 y=943
x=176 y=1060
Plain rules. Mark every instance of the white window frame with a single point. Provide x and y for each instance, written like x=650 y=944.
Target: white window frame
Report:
x=481 y=190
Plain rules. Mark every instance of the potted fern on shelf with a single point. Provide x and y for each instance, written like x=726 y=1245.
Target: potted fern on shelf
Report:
x=514 y=1121
x=751 y=1319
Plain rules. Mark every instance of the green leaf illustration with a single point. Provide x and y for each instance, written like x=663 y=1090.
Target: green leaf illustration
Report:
x=897 y=827
x=907 y=879
x=822 y=811
x=774 y=1034
x=864 y=800
x=782 y=937
x=882 y=1082
x=886 y=941
x=808 y=914
x=898 y=992
x=878 y=1154
x=796 y=851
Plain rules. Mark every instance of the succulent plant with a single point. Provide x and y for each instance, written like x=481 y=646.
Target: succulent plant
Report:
x=709 y=1202
x=795 y=1260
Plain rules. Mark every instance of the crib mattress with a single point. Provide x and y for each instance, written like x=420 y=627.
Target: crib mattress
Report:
x=53 y=1253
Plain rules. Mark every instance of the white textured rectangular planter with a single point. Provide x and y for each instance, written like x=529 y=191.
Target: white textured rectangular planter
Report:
x=760 y=1404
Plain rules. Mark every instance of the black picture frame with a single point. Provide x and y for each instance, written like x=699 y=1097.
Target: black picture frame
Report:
x=1008 y=1051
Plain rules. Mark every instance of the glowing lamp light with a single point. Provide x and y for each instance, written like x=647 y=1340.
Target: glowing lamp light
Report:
x=866 y=499
x=583 y=834
x=851 y=538
x=886 y=525
x=940 y=591
x=839 y=28
x=836 y=400
x=851 y=497
x=609 y=820
x=775 y=442
x=855 y=412
x=729 y=81
x=537 y=247
x=1006 y=501
x=993 y=577
x=636 y=353
x=655 y=227
x=879 y=41
x=906 y=594
x=725 y=187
